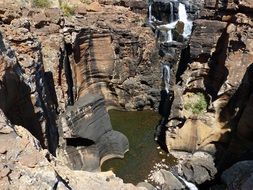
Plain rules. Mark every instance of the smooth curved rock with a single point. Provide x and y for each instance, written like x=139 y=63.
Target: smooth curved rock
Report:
x=25 y=165
x=89 y=119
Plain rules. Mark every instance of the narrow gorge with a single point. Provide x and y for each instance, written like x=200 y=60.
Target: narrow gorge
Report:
x=126 y=94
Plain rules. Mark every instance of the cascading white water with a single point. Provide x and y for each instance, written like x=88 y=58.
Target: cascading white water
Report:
x=169 y=36
x=150 y=13
x=182 y=14
x=166 y=77
x=191 y=186
x=171 y=12
x=168 y=28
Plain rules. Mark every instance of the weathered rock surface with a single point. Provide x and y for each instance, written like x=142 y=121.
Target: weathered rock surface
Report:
x=87 y=118
x=239 y=176
x=50 y=64
x=55 y=60
x=25 y=97
x=216 y=66
x=218 y=57
x=25 y=165
x=170 y=181
x=86 y=135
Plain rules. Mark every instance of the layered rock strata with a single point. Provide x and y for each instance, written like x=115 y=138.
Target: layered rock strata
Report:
x=86 y=135
x=25 y=165
x=51 y=67
x=207 y=114
x=55 y=60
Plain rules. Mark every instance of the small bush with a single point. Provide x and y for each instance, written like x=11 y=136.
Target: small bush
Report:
x=67 y=9
x=41 y=3
x=86 y=1
x=199 y=105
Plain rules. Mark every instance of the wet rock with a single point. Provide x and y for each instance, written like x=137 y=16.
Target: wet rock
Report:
x=171 y=181
x=146 y=185
x=88 y=118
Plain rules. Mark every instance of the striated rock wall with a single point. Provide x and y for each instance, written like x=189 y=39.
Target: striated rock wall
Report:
x=212 y=92
x=53 y=60
x=86 y=135
x=25 y=165
x=54 y=66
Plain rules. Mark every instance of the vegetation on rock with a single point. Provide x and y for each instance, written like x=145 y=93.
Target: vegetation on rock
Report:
x=198 y=104
x=67 y=9
x=86 y=1
x=41 y=3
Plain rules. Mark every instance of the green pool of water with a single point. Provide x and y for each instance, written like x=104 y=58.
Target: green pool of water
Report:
x=143 y=153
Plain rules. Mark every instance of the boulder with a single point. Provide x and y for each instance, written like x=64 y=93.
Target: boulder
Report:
x=239 y=176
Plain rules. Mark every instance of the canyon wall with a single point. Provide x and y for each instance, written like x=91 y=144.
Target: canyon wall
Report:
x=59 y=73
x=50 y=61
x=212 y=92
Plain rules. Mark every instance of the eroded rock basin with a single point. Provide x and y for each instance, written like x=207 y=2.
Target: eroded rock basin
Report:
x=144 y=156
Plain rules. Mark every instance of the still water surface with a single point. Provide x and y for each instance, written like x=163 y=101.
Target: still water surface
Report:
x=143 y=153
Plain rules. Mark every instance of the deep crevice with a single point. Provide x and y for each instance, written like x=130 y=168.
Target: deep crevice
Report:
x=79 y=142
x=218 y=72
x=183 y=63
x=68 y=73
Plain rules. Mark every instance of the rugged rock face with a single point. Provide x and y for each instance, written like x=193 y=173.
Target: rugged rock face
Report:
x=25 y=96
x=239 y=176
x=86 y=135
x=25 y=165
x=216 y=71
x=53 y=67
x=55 y=60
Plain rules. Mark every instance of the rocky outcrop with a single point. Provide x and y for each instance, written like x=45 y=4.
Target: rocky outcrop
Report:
x=215 y=70
x=24 y=92
x=86 y=135
x=239 y=176
x=220 y=53
x=55 y=68
x=121 y=69
x=25 y=165
x=55 y=60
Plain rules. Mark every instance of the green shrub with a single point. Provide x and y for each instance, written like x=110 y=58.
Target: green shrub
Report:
x=67 y=9
x=86 y=1
x=41 y=3
x=198 y=105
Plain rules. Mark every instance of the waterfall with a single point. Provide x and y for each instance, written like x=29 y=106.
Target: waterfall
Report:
x=171 y=12
x=191 y=186
x=168 y=28
x=169 y=36
x=182 y=14
x=150 y=13
x=166 y=77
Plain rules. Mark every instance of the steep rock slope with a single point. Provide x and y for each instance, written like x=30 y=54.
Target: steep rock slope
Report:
x=25 y=165
x=212 y=95
x=52 y=60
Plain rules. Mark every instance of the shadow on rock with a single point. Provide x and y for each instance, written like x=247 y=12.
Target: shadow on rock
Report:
x=164 y=111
